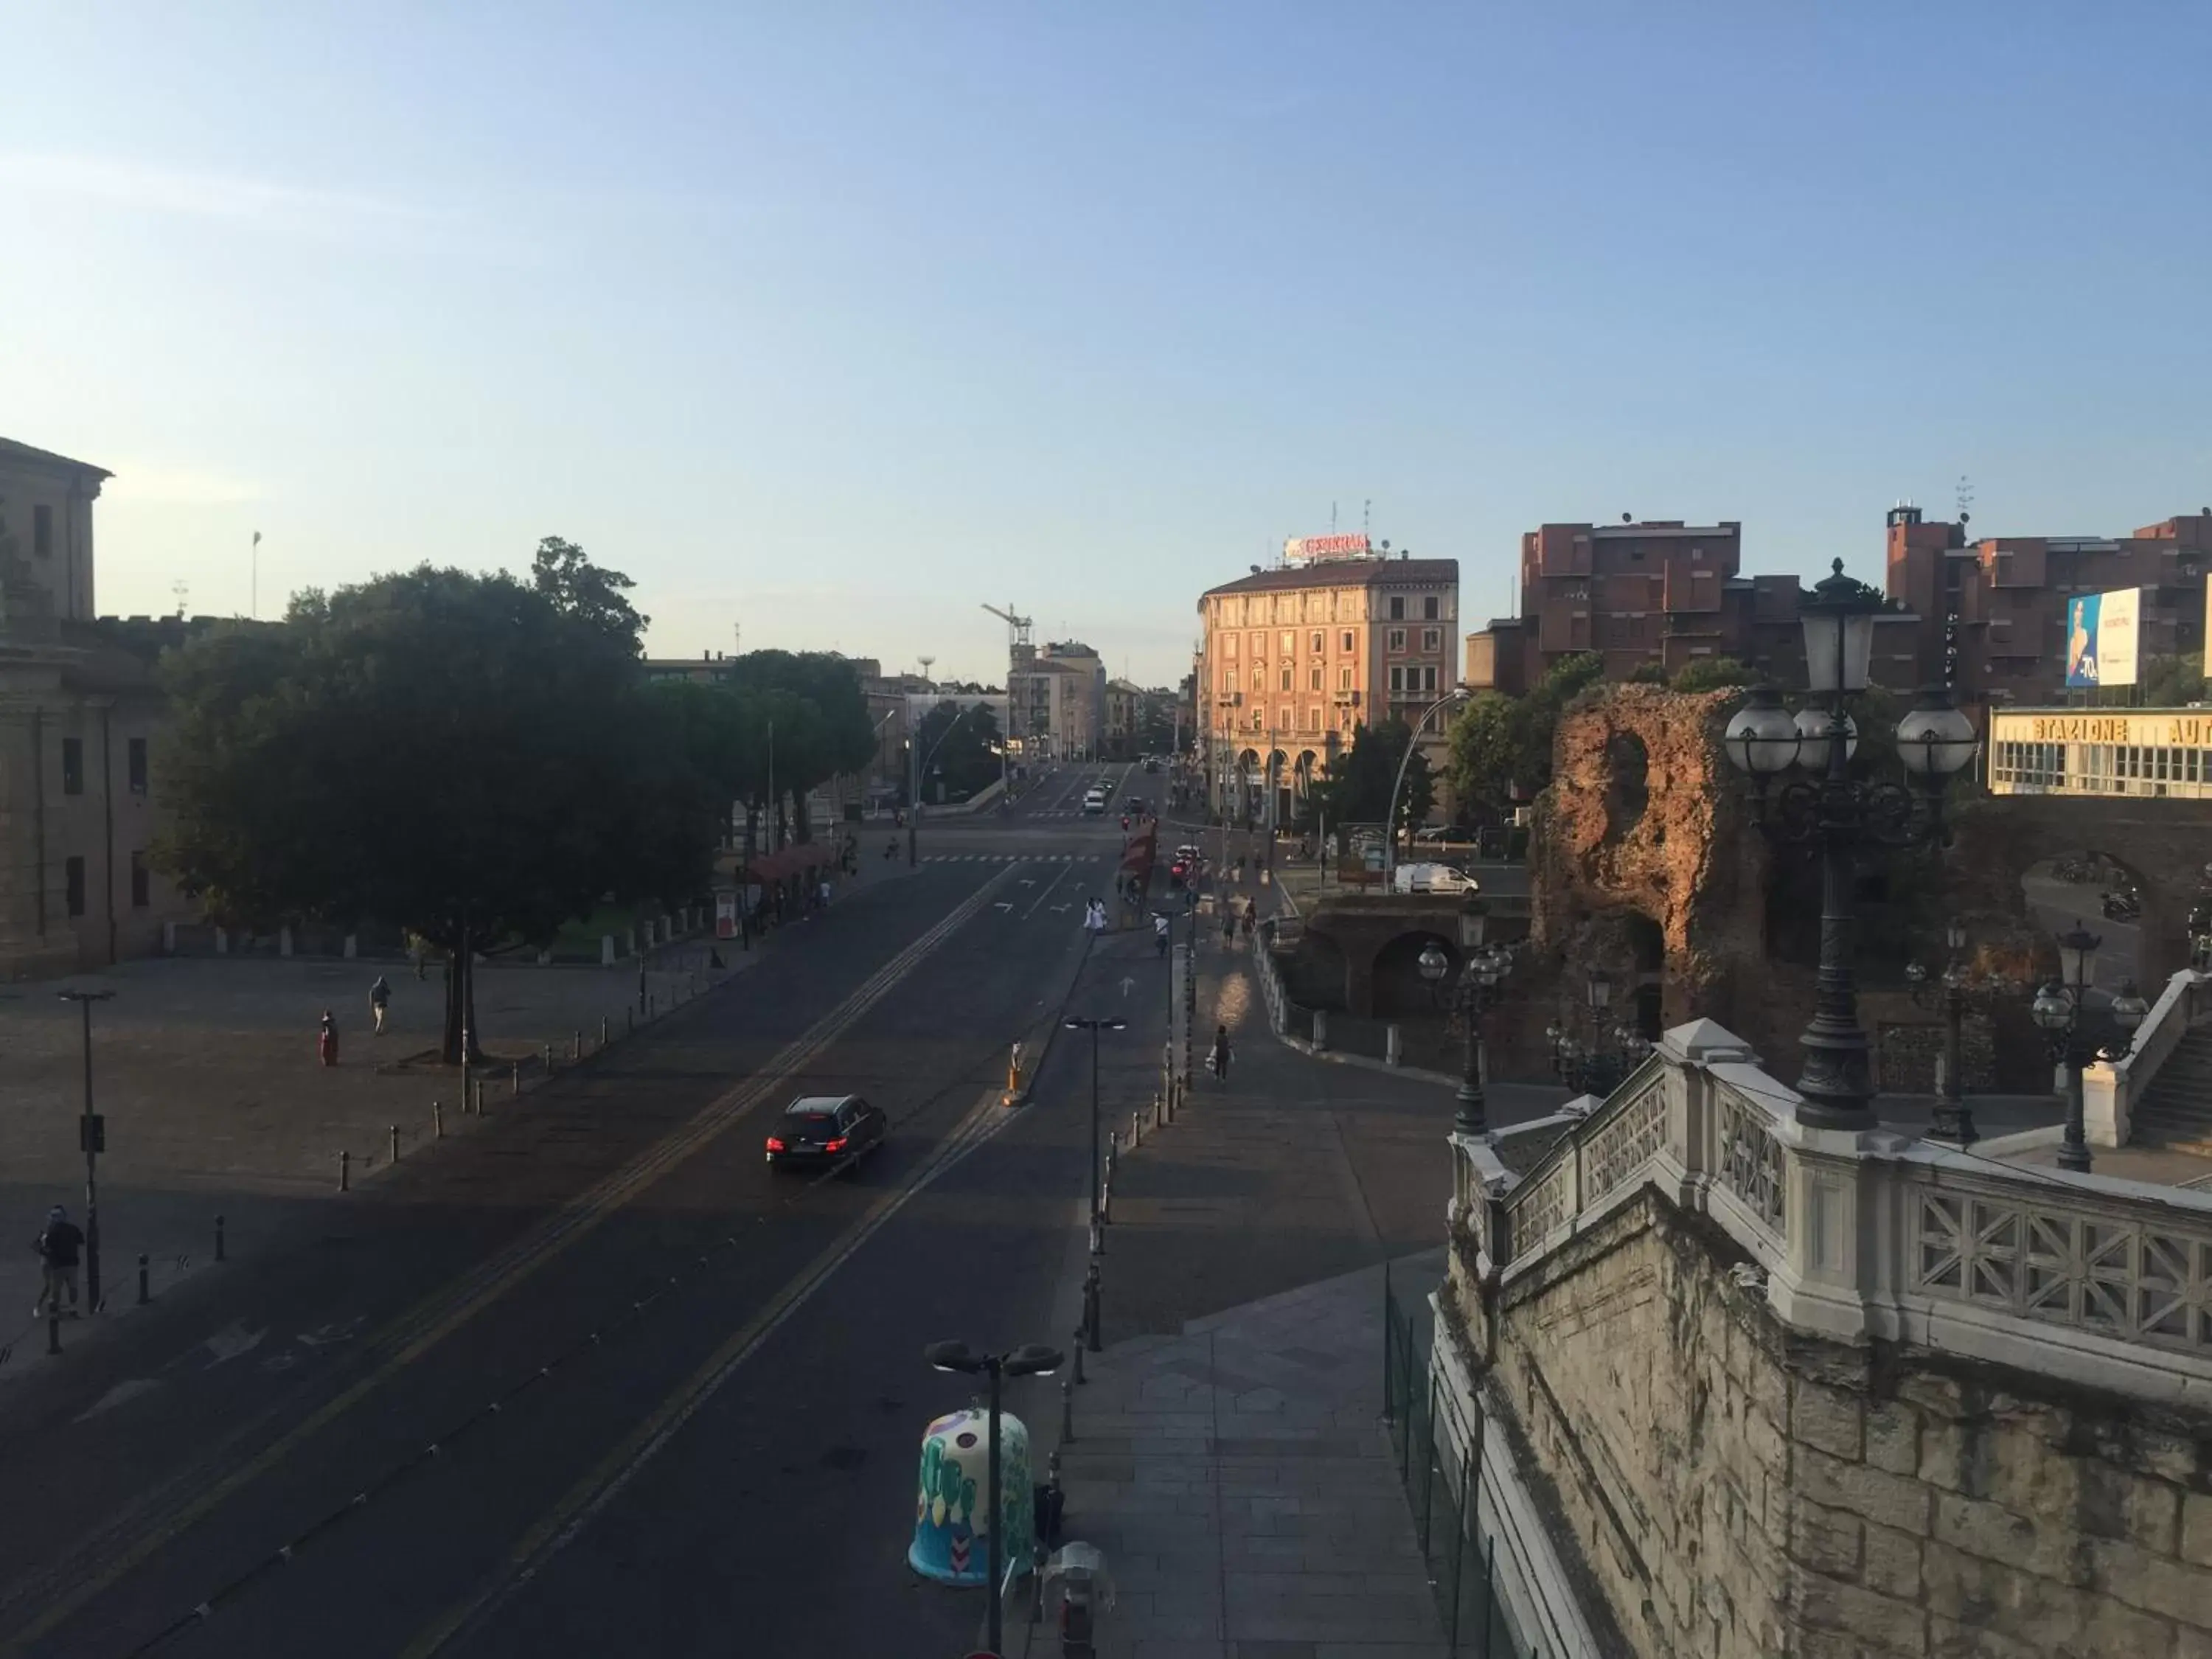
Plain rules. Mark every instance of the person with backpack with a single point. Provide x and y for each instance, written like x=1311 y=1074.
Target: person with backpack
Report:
x=379 y=1003
x=58 y=1244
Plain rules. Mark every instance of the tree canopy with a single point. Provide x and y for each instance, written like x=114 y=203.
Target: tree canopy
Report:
x=958 y=742
x=1357 y=789
x=1500 y=747
x=467 y=756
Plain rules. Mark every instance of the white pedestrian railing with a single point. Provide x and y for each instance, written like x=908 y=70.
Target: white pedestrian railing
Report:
x=1872 y=1233
x=2110 y=1092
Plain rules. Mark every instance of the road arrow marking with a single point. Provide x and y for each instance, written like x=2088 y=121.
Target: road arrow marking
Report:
x=1126 y=983
x=1003 y=904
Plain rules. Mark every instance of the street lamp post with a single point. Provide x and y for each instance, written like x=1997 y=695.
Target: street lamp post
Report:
x=1829 y=809
x=1459 y=693
x=1030 y=1360
x=1095 y=1026
x=1954 y=1119
x=2061 y=1008
x=1478 y=979
x=1597 y=1067
x=92 y=1141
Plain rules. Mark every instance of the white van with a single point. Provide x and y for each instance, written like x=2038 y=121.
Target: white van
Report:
x=1095 y=802
x=1432 y=879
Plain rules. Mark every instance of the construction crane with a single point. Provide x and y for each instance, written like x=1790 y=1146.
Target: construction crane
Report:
x=1019 y=651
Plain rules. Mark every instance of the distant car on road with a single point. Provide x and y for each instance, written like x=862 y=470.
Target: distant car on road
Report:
x=826 y=1129
x=1151 y=765
x=1447 y=835
x=1094 y=802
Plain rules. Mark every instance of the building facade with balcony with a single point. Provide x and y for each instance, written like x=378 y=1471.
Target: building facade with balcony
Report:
x=1292 y=661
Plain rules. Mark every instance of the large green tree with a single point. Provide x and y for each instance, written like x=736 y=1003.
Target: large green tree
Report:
x=1500 y=747
x=959 y=743
x=820 y=722
x=467 y=756
x=1357 y=789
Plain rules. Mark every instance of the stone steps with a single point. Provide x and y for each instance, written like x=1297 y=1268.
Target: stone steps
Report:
x=2176 y=1109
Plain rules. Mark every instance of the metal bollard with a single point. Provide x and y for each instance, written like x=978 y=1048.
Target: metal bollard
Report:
x=549 y=1059
x=1081 y=1333
x=437 y=1122
x=345 y=1172
x=395 y=1143
x=145 y=1293
x=515 y=1078
x=1090 y=1308
x=602 y=1032
x=218 y=1238
x=576 y=1046
x=1067 y=1410
x=1136 y=1128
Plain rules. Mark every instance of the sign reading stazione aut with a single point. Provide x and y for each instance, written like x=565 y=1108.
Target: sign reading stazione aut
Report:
x=1305 y=549
x=2150 y=730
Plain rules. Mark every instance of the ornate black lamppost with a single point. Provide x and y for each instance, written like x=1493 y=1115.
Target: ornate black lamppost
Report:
x=1954 y=1119
x=2078 y=1037
x=1478 y=982
x=1841 y=815
x=1597 y=1064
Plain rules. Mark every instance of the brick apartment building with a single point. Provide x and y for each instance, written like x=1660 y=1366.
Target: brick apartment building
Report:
x=1667 y=593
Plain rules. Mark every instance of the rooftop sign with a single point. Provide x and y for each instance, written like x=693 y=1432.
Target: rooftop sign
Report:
x=1311 y=549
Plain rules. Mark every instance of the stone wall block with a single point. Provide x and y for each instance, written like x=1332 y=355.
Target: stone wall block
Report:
x=2196 y=1528
x=1996 y=1533
x=1893 y=1435
x=2192 y=1643
x=1987 y=1595
x=1831 y=1418
x=2116 y=1503
x=1828 y=1541
x=1949 y=1640
x=2152 y=1582
x=1873 y=1494
x=1878 y=1622
x=1942 y=1398
x=1891 y=1563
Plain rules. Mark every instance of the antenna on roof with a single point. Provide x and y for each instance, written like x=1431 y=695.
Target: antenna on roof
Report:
x=1963 y=495
x=183 y=590
x=1366 y=516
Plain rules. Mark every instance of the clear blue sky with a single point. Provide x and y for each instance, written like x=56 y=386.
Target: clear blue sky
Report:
x=835 y=321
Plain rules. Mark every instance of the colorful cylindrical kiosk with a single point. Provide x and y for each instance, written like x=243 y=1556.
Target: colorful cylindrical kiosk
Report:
x=952 y=1513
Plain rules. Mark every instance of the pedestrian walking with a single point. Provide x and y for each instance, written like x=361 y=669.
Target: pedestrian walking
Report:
x=379 y=1003
x=1251 y=918
x=58 y=1244
x=326 y=1041
x=1160 y=932
x=1218 y=1061
x=825 y=892
x=1228 y=925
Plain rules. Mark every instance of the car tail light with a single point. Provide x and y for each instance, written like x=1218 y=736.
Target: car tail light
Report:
x=836 y=1146
x=775 y=1142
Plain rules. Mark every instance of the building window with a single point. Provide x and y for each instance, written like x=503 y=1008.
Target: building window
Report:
x=1229 y=645
x=73 y=870
x=1432 y=639
x=1286 y=679
x=1428 y=608
x=1397 y=639
x=137 y=752
x=142 y=883
x=72 y=769
x=1429 y=678
x=1287 y=719
x=1290 y=642
x=1319 y=639
x=1259 y=678
x=1313 y=676
x=1344 y=679
x=1397 y=607
x=1313 y=718
x=42 y=532
x=1397 y=676
x=1347 y=639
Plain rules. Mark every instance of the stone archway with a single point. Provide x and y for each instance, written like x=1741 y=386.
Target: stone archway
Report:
x=1398 y=987
x=1247 y=794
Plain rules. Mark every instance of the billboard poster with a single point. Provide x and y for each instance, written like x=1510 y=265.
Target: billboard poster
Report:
x=2100 y=638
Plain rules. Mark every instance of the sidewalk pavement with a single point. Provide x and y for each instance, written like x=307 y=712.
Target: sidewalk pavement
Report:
x=205 y=1069
x=1239 y=1479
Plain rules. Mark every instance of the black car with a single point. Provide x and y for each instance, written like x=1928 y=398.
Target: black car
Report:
x=826 y=1129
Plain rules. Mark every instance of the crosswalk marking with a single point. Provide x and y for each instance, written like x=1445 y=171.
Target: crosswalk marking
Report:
x=1012 y=858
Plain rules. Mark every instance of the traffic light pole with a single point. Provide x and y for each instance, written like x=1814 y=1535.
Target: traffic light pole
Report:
x=92 y=1138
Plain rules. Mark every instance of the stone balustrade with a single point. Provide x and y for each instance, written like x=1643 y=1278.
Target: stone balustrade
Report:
x=2110 y=1089
x=2104 y=1282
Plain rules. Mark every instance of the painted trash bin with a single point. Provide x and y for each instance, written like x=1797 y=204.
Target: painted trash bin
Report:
x=952 y=1513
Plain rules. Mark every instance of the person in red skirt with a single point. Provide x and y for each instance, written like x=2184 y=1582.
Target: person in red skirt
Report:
x=326 y=1043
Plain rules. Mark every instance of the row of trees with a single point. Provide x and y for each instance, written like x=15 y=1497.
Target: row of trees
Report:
x=476 y=758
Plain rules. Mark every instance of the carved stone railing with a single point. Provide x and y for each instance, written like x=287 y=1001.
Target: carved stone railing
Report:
x=1872 y=1234
x=2110 y=1092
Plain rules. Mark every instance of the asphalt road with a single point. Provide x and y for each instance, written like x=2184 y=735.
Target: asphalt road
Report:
x=595 y=1380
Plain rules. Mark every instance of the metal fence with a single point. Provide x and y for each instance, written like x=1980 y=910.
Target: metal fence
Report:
x=1439 y=1470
